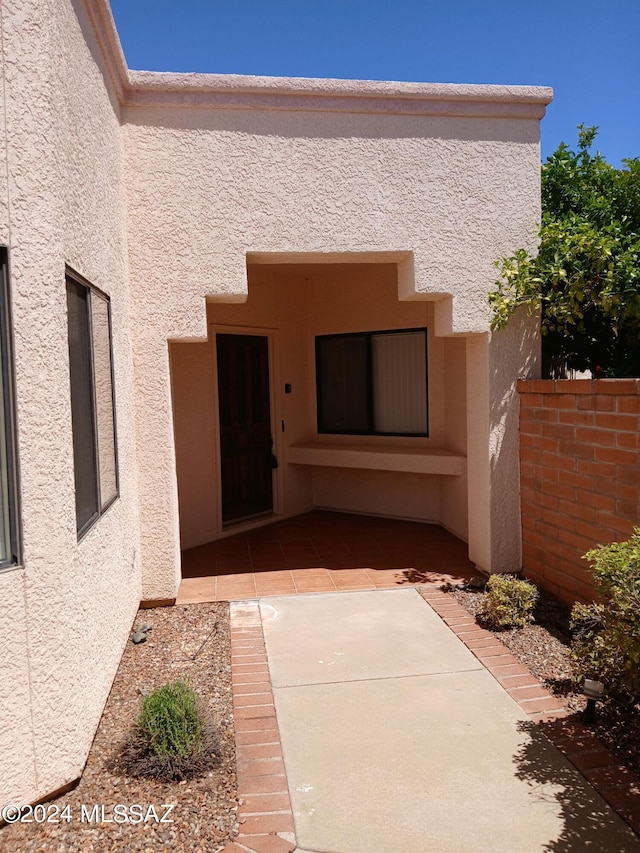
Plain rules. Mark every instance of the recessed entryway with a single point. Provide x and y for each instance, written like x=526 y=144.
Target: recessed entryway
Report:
x=250 y=398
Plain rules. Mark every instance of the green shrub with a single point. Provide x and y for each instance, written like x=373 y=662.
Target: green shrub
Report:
x=606 y=634
x=173 y=739
x=170 y=721
x=508 y=602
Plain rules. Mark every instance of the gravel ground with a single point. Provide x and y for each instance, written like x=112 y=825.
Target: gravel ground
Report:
x=193 y=643
x=188 y=643
x=543 y=647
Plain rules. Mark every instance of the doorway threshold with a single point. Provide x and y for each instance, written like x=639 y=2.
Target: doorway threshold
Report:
x=246 y=519
x=248 y=523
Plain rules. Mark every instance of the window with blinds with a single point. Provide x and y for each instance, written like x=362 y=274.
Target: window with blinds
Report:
x=92 y=405
x=373 y=383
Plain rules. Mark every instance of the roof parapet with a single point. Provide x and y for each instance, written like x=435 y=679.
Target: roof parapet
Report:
x=237 y=91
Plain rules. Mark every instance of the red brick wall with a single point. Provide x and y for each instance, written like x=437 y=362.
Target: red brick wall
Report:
x=579 y=475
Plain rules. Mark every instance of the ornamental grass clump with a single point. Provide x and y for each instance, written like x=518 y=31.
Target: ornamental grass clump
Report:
x=170 y=721
x=172 y=740
x=606 y=634
x=508 y=602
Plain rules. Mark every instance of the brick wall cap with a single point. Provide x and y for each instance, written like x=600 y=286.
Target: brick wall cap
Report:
x=579 y=386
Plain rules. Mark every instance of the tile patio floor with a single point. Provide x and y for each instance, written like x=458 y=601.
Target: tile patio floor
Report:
x=322 y=551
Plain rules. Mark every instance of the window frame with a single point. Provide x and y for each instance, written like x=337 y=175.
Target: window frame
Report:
x=369 y=335
x=91 y=291
x=8 y=413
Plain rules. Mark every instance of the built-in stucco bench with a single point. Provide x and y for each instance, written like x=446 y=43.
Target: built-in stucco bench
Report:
x=431 y=460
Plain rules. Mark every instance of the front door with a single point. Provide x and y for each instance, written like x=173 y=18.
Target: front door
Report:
x=245 y=426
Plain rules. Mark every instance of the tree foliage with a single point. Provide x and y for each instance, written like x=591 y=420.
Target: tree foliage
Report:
x=585 y=279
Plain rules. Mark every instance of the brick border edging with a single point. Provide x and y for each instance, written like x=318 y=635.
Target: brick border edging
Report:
x=266 y=819
x=617 y=785
x=265 y=811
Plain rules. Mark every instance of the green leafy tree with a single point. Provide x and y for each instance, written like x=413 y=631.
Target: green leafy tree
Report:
x=585 y=279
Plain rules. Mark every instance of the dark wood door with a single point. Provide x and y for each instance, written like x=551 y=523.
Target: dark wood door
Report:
x=245 y=425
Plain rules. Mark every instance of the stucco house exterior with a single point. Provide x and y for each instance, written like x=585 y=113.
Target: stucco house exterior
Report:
x=323 y=236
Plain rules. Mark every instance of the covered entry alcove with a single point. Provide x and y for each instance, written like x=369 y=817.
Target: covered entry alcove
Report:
x=413 y=469
x=247 y=187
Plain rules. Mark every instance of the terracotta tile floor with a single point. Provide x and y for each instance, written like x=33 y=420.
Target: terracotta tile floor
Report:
x=322 y=551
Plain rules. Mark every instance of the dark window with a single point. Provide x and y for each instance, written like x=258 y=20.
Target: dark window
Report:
x=8 y=468
x=92 y=409
x=373 y=383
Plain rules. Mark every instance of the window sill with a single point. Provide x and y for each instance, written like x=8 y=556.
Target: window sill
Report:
x=12 y=567
x=432 y=460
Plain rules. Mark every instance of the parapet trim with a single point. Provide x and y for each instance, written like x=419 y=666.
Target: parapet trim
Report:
x=236 y=91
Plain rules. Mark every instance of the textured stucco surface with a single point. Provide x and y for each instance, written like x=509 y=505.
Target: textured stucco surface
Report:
x=332 y=95
x=66 y=613
x=454 y=491
x=209 y=187
x=162 y=190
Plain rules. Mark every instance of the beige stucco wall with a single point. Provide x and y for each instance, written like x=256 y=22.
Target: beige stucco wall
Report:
x=210 y=187
x=162 y=190
x=66 y=613
x=195 y=438
x=454 y=491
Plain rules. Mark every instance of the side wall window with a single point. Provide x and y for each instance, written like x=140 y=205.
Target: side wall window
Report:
x=8 y=468
x=92 y=405
x=373 y=383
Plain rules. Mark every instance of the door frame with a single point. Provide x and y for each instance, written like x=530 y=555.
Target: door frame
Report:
x=271 y=335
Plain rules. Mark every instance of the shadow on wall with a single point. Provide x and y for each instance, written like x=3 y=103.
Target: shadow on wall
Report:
x=588 y=822
x=308 y=124
x=514 y=353
x=522 y=331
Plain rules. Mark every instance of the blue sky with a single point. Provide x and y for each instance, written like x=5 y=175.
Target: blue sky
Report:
x=587 y=50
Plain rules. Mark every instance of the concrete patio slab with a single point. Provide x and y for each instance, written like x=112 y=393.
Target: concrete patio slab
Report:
x=358 y=635
x=408 y=743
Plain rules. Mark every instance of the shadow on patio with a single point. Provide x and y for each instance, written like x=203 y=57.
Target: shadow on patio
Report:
x=322 y=551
